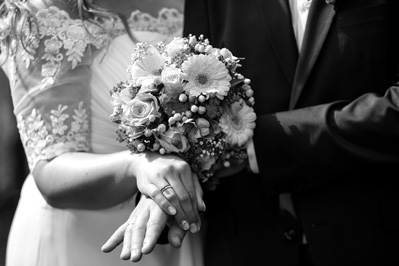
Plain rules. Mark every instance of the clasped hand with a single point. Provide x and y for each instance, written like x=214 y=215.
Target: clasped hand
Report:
x=142 y=230
x=169 y=181
x=171 y=195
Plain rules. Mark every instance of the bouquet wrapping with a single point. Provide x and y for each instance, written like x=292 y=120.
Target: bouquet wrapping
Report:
x=186 y=98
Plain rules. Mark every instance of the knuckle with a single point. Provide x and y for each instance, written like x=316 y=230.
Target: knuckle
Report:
x=136 y=228
x=164 y=204
x=153 y=193
x=191 y=196
x=170 y=195
x=183 y=166
x=185 y=198
x=166 y=168
x=130 y=226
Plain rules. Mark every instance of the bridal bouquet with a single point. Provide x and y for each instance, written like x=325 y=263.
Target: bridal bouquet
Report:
x=186 y=98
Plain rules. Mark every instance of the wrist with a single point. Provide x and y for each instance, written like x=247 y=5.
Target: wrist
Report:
x=125 y=172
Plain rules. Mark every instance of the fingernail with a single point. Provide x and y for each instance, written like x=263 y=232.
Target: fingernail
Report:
x=171 y=210
x=185 y=225
x=203 y=206
x=193 y=228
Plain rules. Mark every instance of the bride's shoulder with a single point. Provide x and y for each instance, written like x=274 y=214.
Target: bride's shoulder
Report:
x=45 y=19
x=47 y=35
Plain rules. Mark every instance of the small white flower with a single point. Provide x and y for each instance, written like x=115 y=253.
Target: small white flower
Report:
x=148 y=66
x=175 y=47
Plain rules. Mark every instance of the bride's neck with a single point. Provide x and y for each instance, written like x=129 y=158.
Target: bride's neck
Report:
x=126 y=7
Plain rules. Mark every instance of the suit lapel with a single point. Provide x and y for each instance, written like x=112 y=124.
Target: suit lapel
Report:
x=317 y=26
x=276 y=19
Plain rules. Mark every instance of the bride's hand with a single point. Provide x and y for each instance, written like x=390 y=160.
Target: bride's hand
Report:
x=140 y=233
x=168 y=180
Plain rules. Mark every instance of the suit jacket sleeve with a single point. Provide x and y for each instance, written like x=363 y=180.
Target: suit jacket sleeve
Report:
x=327 y=143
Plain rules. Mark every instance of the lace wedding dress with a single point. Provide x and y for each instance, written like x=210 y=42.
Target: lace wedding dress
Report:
x=61 y=99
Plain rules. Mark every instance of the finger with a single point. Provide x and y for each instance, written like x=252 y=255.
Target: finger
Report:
x=176 y=235
x=125 y=253
x=200 y=193
x=188 y=198
x=155 y=226
x=115 y=240
x=172 y=195
x=169 y=201
x=137 y=237
x=158 y=195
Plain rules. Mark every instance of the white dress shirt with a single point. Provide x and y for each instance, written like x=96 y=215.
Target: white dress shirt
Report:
x=299 y=14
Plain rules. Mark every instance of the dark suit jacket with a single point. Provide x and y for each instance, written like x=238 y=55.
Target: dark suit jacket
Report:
x=327 y=131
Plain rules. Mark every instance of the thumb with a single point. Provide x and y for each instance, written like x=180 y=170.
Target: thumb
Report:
x=176 y=235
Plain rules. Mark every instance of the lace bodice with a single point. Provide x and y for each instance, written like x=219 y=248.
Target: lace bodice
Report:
x=50 y=78
x=63 y=36
x=168 y=22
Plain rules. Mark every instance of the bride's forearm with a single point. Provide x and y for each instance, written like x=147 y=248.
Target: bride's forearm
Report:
x=86 y=181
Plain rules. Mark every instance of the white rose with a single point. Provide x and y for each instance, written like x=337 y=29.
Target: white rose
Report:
x=139 y=110
x=173 y=141
x=171 y=77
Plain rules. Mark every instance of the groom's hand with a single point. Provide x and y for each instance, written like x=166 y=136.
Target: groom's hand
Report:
x=140 y=233
x=176 y=234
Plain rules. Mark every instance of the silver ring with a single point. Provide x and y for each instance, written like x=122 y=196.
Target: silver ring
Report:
x=165 y=188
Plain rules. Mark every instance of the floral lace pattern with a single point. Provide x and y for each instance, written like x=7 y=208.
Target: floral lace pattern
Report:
x=168 y=22
x=67 y=38
x=63 y=42
x=42 y=144
x=71 y=35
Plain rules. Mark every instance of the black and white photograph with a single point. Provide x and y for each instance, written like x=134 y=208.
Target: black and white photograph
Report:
x=199 y=132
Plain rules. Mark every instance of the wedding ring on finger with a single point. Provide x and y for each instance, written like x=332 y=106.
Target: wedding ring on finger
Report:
x=163 y=189
x=185 y=225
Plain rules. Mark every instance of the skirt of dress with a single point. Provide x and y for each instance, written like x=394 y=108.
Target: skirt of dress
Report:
x=45 y=236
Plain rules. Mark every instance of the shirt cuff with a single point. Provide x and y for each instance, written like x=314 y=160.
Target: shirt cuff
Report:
x=253 y=163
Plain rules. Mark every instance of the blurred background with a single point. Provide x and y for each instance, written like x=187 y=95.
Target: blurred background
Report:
x=13 y=165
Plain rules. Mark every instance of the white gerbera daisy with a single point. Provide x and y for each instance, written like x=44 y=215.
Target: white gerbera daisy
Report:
x=238 y=122
x=205 y=74
x=148 y=66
